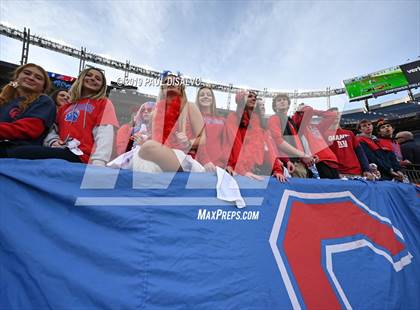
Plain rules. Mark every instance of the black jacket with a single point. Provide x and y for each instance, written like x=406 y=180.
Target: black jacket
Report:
x=411 y=150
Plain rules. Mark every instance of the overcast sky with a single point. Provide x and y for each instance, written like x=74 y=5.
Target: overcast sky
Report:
x=282 y=45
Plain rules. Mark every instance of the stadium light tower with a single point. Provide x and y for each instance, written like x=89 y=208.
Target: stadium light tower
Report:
x=328 y=97
x=126 y=71
x=82 y=58
x=25 y=46
x=229 y=96
x=295 y=98
x=264 y=95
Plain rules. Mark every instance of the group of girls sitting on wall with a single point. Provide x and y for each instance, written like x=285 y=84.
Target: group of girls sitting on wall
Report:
x=172 y=134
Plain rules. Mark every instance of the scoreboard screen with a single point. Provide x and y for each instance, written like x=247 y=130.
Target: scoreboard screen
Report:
x=376 y=84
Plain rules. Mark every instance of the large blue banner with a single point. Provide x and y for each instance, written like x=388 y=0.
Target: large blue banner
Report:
x=72 y=237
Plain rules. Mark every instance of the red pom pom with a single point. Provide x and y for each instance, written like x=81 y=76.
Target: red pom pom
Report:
x=166 y=117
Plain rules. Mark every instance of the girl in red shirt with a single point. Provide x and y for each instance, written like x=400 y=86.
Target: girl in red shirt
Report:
x=247 y=139
x=314 y=135
x=177 y=129
x=285 y=135
x=213 y=151
x=86 y=124
x=137 y=131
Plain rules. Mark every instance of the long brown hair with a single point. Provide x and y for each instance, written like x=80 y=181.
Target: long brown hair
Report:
x=162 y=93
x=184 y=100
x=10 y=91
x=213 y=104
x=241 y=101
x=75 y=91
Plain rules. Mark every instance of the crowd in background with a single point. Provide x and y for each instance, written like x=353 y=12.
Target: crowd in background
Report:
x=173 y=134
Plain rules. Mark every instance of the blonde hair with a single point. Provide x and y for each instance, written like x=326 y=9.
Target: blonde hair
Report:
x=10 y=91
x=213 y=104
x=77 y=87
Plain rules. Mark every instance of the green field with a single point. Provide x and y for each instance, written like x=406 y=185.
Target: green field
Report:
x=374 y=83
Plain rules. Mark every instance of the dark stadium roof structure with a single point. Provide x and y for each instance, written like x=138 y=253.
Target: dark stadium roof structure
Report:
x=394 y=111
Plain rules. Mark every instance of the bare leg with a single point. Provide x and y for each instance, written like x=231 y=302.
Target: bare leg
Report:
x=159 y=154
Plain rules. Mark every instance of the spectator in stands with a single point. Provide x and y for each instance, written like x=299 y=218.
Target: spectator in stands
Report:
x=138 y=130
x=385 y=160
x=214 y=149
x=89 y=119
x=142 y=130
x=85 y=125
x=26 y=112
x=177 y=128
x=409 y=148
x=122 y=140
x=313 y=140
x=60 y=97
x=285 y=134
x=261 y=105
x=387 y=141
x=246 y=138
x=352 y=160
x=266 y=168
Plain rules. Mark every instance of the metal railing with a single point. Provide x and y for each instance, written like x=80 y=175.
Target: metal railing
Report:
x=413 y=173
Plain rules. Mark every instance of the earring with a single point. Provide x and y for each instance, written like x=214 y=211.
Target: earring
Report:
x=14 y=84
